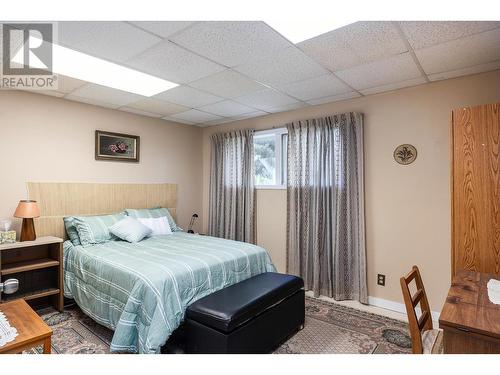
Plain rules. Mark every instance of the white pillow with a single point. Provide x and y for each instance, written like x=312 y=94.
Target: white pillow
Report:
x=158 y=225
x=129 y=229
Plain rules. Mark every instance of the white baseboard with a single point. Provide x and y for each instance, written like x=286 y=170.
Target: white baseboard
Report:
x=395 y=306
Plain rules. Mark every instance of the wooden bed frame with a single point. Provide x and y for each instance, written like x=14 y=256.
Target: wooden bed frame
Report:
x=57 y=200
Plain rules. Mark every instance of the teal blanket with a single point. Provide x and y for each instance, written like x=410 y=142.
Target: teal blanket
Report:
x=141 y=290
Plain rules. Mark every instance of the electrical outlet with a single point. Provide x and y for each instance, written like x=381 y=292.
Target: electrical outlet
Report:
x=381 y=279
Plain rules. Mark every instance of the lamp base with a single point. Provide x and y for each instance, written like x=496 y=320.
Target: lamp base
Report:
x=28 y=230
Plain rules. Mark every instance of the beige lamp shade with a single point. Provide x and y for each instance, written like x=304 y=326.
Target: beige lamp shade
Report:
x=27 y=209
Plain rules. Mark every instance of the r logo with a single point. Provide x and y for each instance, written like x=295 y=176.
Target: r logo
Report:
x=35 y=41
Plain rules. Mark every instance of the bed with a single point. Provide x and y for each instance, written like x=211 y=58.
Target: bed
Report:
x=140 y=290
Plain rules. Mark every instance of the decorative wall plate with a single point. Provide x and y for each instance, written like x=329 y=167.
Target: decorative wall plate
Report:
x=405 y=154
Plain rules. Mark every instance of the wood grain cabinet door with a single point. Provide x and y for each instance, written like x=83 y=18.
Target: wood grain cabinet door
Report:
x=476 y=189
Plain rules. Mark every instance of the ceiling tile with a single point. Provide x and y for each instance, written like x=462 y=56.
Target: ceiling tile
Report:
x=47 y=92
x=168 y=61
x=381 y=72
x=158 y=106
x=106 y=95
x=423 y=34
x=289 y=65
x=195 y=116
x=170 y=118
x=317 y=87
x=189 y=97
x=218 y=122
x=465 y=71
x=394 y=86
x=334 y=98
x=235 y=118
x=163 y=29
x=139 y=112
x=266 y=99
x=461 y=53
x=115 y=41
x=67 y=84
x=250 y=115
x=91 y=101
x=227 y=108
x=355 y=44
x=288 y=107
x=228 y=84
x=232 y=43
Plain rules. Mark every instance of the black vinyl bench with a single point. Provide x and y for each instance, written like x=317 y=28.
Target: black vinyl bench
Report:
x=253 y=316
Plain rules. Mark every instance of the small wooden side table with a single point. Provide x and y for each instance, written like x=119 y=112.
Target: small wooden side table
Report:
x=32 y=330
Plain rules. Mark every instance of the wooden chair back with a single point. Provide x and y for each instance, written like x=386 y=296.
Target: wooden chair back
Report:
x=424 y=322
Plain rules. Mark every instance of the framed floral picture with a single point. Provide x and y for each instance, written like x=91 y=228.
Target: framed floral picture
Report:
x=116 y=147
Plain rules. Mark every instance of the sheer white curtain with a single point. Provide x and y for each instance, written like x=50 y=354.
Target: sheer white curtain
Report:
x=325 y=194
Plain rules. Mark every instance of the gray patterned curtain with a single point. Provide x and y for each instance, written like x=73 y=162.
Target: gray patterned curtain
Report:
x=231 y=203
x=326 y=230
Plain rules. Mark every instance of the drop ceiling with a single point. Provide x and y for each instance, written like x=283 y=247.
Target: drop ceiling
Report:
x=229 y=71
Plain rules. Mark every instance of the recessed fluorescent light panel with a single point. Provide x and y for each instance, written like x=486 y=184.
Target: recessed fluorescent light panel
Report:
x=88 y=68
x=298 y=31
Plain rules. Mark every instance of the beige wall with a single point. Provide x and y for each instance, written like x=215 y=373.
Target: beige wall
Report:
x=271 y=224
x=49 y=139
x=407 y=207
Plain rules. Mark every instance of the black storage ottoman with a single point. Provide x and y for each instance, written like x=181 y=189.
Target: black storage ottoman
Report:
x=253 y=316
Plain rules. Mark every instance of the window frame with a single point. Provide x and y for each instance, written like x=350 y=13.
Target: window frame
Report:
x=281 y=162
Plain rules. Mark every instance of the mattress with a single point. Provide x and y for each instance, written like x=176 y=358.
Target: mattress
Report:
x=142 y=290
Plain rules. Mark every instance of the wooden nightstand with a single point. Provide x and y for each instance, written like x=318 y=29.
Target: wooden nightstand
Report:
x=32 y=330
x=38 y=265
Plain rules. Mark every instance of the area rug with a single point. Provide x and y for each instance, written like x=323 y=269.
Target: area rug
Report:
x=329 y=329
x=335 y=329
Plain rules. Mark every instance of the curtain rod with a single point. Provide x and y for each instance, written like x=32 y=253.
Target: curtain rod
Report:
x=284 y=125
x=271 y=128
x=255 y=130
x=308 y=119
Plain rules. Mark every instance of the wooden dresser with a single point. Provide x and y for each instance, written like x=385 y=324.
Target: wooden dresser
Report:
x=476 y=189
x=470 y=322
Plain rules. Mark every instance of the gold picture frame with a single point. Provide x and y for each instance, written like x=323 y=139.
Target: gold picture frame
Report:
x=111 y=146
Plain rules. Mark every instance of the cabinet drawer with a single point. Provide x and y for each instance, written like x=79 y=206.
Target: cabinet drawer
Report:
x=462 y=341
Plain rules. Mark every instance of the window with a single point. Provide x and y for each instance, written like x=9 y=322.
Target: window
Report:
x=270 y=158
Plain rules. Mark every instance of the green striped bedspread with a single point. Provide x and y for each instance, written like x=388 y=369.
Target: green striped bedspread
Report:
x=141 y=290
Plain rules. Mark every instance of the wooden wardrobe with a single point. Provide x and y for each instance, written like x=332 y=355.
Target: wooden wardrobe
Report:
x=476 y=188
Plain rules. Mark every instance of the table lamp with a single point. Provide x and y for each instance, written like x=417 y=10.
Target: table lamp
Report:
x=191 y=223
x=27 y=210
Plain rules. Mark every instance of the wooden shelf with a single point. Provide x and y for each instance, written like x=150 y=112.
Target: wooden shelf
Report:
x=38 y=265
x=38 y=242
x=28 y=265
x=34 y=295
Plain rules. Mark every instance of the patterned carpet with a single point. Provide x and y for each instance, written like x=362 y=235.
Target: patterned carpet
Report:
x=329 y=329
